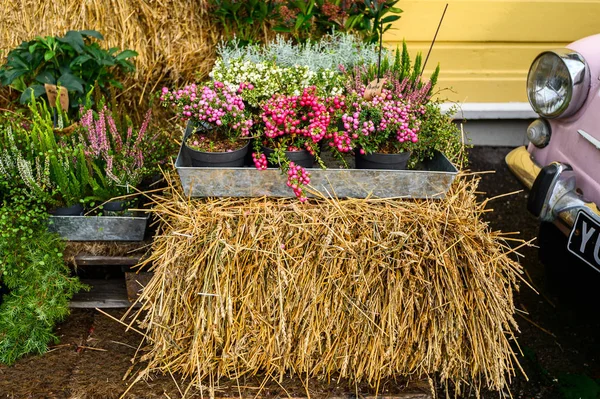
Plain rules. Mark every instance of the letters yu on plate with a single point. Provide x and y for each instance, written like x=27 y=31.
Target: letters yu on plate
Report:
x=584 y=240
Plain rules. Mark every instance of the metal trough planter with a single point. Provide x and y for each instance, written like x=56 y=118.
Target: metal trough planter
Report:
x=431 y=180
x=99 y=228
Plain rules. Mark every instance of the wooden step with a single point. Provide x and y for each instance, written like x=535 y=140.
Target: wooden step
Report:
x=93 y=260
x=104 y=294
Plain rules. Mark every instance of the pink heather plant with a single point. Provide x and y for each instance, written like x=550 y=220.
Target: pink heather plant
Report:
x=118 y=157
x=388 y=123
x=382 y=124
x=293 y=123
x=218 y=111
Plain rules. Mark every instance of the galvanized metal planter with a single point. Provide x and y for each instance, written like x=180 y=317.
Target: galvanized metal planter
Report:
x=99 y=228
x=432 y=180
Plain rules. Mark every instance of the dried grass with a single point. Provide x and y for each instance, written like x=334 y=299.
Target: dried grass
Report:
x=357 y=288
x=102 y=248
x=175 y=38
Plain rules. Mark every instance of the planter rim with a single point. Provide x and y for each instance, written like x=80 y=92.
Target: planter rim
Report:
x=217 y=152
x=380 y=154
x=72 y=210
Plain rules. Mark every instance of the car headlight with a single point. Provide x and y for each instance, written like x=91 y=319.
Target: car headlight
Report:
x=558 y=83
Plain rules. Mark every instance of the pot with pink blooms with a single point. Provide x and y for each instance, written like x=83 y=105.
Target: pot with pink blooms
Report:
x=289 y=135
x=384 y=113
x=381 y=131
x=218 y=123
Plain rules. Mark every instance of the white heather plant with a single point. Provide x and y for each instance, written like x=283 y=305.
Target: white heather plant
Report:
x=268 y=79
x=328 y=53
x=35 y=174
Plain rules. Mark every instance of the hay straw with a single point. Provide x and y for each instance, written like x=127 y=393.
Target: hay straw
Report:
x=357 y=288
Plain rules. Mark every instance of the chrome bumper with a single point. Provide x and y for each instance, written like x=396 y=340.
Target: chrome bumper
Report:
x=553 y=197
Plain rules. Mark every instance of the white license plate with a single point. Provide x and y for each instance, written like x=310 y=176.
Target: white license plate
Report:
x=584 y=240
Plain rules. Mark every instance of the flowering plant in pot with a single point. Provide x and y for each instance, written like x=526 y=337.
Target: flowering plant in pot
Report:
x=115 y=152
x=268 y=78
x=221 y=123
x=385 y=125
x=292 y=128
x=382 y=127
x=60 y=169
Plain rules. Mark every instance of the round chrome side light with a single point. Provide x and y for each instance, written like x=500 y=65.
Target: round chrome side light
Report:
x=539 y=132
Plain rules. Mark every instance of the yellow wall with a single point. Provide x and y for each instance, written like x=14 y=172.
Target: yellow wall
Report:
x=485 y=47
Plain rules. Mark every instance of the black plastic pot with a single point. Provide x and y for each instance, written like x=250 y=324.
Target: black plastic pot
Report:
x=218 y=159
x=114 y=206
x=302 y=157
x=382 y=161
x=73 y=210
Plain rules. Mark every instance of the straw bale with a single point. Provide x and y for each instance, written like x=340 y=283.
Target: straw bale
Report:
x=362 y=289
x=175 y=39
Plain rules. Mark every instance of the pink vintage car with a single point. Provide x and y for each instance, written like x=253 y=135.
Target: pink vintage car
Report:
x=561 y=165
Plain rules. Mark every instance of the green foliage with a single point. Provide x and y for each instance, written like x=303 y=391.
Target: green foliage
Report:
x=304 y=20
x=67 y=165
x=375 y=20
x=35 y=158
x=576 y=386
x=297 y=19
x=32 y=267
x=438 y=133
x=401 y=69
x=75 y=61
x=244 y=20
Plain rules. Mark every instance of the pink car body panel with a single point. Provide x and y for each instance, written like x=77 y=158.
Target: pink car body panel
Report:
x=566 y=144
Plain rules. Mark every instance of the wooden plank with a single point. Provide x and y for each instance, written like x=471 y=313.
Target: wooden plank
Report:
x=481 y=72
x=476 y=57
x=89 y=260
x=103 y=294
x=497 y=20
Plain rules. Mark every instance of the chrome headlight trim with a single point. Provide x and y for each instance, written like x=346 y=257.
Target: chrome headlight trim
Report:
x=578 y=73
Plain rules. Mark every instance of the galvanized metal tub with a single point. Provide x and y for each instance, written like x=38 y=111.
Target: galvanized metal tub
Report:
x=99 y=228
x=432 y=179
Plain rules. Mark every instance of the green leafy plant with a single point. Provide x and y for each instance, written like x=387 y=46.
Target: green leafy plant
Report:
x=304 y=20
x=67 y=166
x=244 y=20
x=439 y=133
x=38 y=281
x=296 y=18
x=311 y=19
x=75 y=61
x=375 y=19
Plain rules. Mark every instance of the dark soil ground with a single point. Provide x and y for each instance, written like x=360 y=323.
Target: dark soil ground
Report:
x=559 y=338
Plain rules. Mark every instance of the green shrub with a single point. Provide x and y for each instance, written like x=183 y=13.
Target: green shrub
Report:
x=304 y=20
x=75 y=61
x=32 y=267
x=439 y=133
